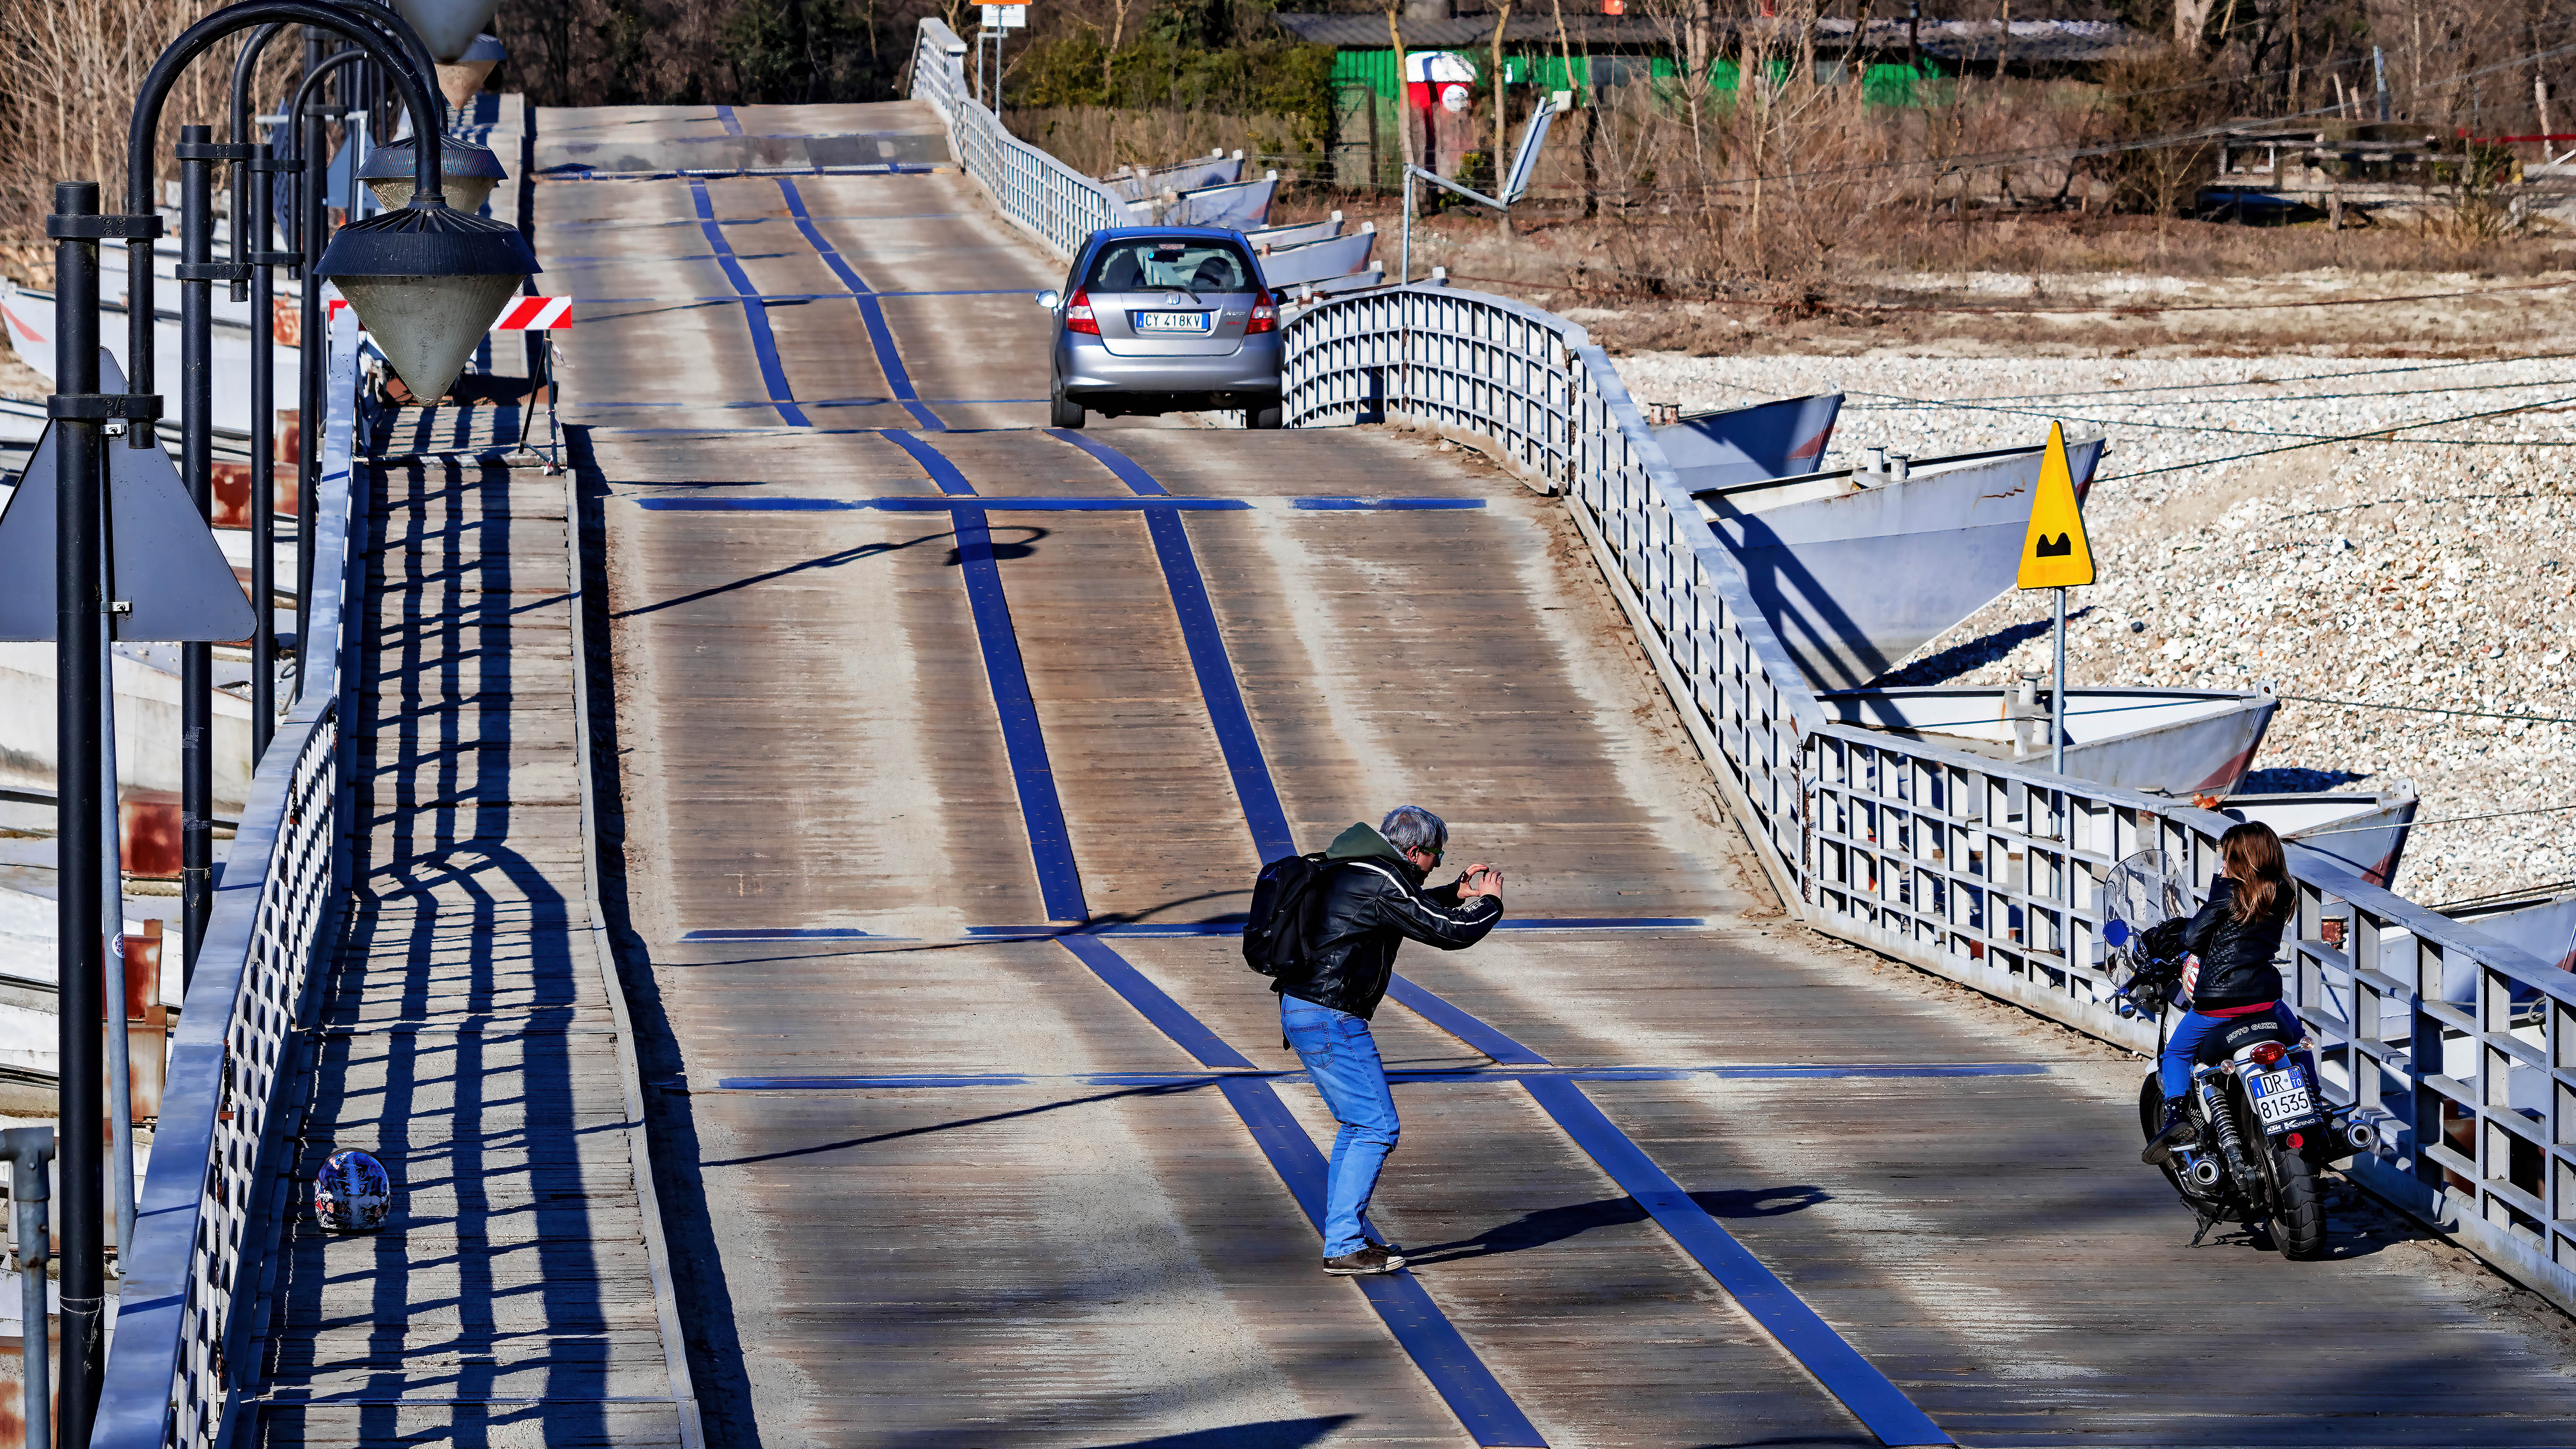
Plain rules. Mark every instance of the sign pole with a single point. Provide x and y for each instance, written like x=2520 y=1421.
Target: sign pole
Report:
x=2057 y=695
x=2056 y=555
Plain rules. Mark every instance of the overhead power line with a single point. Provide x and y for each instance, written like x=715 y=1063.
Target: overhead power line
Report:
x=2375 y=435
x=2446 y=820
x=2431 y=709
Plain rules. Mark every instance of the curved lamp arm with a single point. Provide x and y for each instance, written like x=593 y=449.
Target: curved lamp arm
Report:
x=371 y=33
x=244 y=65
x=315 y=172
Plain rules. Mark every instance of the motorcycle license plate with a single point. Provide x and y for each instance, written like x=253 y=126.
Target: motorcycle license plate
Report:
x=2282 y=1098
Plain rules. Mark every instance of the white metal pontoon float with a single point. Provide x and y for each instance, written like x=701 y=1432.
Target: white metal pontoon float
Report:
x=2173 y=741
x=2363 y=830
x=1857 y=568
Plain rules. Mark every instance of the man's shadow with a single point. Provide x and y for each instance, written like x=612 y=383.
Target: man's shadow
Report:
x=1556 y=1224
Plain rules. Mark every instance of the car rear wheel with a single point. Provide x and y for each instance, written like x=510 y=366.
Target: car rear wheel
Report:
x=1267 y=415
x=1062 y=411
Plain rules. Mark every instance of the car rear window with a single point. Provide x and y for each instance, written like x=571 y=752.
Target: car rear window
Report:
x=1147 y=263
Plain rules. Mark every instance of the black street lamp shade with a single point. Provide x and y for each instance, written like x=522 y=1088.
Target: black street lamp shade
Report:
x=427 y=281
x=447 y=27
x=467 y=172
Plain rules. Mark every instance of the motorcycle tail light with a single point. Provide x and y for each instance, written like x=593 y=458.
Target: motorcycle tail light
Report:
x=1265 y=314
x=1077 y=314
x=2267 y=1054
x=2296 y=1141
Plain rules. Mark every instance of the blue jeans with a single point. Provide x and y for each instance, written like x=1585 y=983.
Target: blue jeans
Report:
x=2173 y=1069
x=1342 y=1058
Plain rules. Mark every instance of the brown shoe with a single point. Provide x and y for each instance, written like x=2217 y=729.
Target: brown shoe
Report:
x=1369 y=1259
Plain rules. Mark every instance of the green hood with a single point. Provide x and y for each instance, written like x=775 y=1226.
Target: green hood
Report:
x=1360 y=842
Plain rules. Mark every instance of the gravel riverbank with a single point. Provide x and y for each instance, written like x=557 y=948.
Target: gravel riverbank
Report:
x=2429 y=571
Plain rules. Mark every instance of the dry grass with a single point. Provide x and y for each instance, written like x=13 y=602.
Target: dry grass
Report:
x=74 y=68
x=1097 y=140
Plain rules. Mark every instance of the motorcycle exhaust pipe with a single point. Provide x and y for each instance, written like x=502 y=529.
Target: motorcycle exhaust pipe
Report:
x=2361 y=1136
x=2204 y=1173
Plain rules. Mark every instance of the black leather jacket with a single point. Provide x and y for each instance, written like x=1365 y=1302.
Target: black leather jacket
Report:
x=1369 y=906
x=2235 y=957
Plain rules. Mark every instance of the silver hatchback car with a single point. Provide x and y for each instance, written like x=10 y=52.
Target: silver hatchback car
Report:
x=1164 y=319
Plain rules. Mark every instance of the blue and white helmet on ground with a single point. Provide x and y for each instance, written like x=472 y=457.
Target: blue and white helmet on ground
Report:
x=351 y=1194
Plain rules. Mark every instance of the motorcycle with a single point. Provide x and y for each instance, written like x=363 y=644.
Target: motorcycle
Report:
x=2262 y=1130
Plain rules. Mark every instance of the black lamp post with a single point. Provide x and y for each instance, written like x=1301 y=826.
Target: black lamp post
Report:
x=311 y=210
x=253 y=231
x=414 y=275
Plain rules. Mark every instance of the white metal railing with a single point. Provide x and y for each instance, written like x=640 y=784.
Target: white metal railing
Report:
x=206 y=1220
x=1052 y=201
x=1984 y=871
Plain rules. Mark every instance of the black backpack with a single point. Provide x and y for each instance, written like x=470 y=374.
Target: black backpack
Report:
x=1274 y=930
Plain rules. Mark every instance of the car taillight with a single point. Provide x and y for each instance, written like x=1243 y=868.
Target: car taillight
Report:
x=2267 y=1054
x=1265 y=314
x=1077 y=315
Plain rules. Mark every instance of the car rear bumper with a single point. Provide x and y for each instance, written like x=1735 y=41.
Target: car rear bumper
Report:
x=1087 y=367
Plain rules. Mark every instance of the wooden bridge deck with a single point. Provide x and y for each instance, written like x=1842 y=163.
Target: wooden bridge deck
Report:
x=467 y=1038
x=969 y=1127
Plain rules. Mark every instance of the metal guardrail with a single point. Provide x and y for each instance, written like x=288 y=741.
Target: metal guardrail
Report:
x=1982 y=871
x=186 y=1305
x=1060 y=205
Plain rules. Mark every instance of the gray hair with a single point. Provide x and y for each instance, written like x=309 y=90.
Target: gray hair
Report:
x=1410 y=827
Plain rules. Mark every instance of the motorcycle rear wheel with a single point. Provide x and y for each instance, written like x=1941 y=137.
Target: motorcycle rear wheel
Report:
x=2299 y=1227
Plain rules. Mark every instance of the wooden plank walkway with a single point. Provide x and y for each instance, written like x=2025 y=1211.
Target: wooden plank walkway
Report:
x=938 y=1186
x=469 y=1038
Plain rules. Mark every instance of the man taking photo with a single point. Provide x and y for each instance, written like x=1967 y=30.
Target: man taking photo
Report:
x=1369 y=903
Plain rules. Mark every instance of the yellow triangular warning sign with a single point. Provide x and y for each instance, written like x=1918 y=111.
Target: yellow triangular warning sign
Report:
x=2055 y=553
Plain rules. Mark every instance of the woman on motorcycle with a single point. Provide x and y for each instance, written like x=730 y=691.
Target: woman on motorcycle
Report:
x=2230 y=976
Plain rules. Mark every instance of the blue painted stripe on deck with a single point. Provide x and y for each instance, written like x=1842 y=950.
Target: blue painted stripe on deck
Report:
x=1188 y=1031
x=1262 y=811
x=829 y=402
x=615 y=224
x=1050 y=843
x=791 y=933
x=1426 y=1334
x=580 y=299
x=944 y=475
x=916 y=504
x=1879 y=1404
x=755 y=312
x=1127 y=470
x=725 y=118
x=1458 y=1023
x=1400 y=1076
x=1380 y=505
x=1235 y=928
x=576 y=173
x=1484 y=1408
x=880 y=337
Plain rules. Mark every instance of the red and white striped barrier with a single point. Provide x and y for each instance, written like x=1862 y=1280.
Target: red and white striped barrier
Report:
x=524 y=314
x=534 y=314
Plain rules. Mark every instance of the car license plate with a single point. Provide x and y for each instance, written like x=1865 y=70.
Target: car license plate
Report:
x=2282 y=1098
x=1172 y=321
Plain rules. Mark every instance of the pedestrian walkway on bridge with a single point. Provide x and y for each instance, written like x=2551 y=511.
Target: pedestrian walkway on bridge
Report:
x=936 y=753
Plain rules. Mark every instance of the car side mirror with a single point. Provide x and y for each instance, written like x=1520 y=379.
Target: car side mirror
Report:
x=1048 y=300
